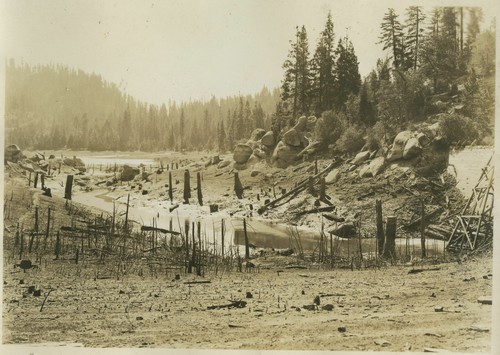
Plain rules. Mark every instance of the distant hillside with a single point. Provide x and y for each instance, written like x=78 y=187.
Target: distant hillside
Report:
x=52 y=107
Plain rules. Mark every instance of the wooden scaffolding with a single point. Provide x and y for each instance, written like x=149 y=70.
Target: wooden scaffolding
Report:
x=474 y=227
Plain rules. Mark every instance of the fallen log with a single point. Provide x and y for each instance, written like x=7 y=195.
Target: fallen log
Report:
x=333 y=217
x=197 y=282
x=233 y=304
x=426 y=218
x=157 y=229
x=316 y=210
x=302 y=186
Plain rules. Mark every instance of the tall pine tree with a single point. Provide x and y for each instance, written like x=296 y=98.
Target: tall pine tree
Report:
x=391 y=37
x=296 y=85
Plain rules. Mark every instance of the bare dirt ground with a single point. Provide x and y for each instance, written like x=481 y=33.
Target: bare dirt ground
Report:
x=384 y=309
x=409 y=307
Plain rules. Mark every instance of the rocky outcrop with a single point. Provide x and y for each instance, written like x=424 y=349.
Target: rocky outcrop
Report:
x=268 y=139
x=398 y=146
x=284 y=154
x=13 y=153
x=361 y=157
x=257 y=134
x=412 y=148
x=241 y=153
x=129 y=173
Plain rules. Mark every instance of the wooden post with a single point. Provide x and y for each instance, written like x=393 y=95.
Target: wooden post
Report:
x=36 y=180
x=35 y=231
x=238 y=188
x=69 y=186
x=315 y=166
x=193 y=253
x=321 y=240
x=170 y=188
x=43 y=181
x=247 y=248
x=21 y=247
x=77 y=255
x=126 y=213
x=222 y=236
x=380 y=227
x=422 y=229
x=311 y=186
x=198 y=266
x=48 y=228
x=29 y=179
x=198 y=188
x=59 y=169
x=58 y=246
x=390 y=237
x=187 y=187
x=186 y=232
x=322 y=189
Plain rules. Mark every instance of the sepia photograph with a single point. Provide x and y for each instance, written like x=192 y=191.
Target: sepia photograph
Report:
x=228 y=175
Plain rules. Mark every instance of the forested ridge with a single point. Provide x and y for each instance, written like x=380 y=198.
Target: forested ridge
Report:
x=53 y=107
x=439 y=62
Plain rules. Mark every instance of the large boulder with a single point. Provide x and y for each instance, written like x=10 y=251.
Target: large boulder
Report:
x=376 y=166
x=241 y=153
x=13 y=153
x=398 y=145
x=434 y=158
x=361 y=157
x=257 y=134
x=129 y=173
x=412 y=148
x=259 y=153
x=284 y=154
x=268 y=139
x=292 y=137
x=301 y=124
x=423 y=140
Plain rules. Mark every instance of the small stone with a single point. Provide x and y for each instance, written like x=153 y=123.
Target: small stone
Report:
x=327 y=307
x=341 y=329
x=139 y=318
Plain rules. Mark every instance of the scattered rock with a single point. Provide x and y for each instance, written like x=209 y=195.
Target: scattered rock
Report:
x=361 y=157
x=257 y=134
x=332 y=177
x=341 y=329
x=327 y=307
x=310 y=307
x=485 y=300
x=382 y=342
x=223 y=164
x=423 y=140
x=254 y=173
x=249 y=295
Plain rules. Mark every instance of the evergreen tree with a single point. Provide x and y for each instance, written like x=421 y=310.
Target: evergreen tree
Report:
x=414 y=35
x=322 y=66
x=296 y=86
x=348 y=79
x=392 y=37
x=182 y=143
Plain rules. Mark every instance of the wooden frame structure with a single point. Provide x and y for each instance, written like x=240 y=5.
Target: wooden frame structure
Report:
x=474 y=228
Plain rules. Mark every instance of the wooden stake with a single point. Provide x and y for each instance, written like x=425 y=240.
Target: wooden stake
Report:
x=380 y=227
x=69 y=186
x=238 y=188
x=422 y=229
x=58 y=246
x=390 y=237
x=36 y=180
x=222 y=236
x=170 y=188
x=198 y=188
x=187 y=187
x=247 y=249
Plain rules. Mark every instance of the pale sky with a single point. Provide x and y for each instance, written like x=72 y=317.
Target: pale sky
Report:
x=182 y=49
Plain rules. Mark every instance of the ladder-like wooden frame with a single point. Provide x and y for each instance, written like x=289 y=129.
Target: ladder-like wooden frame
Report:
x=474 y=227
